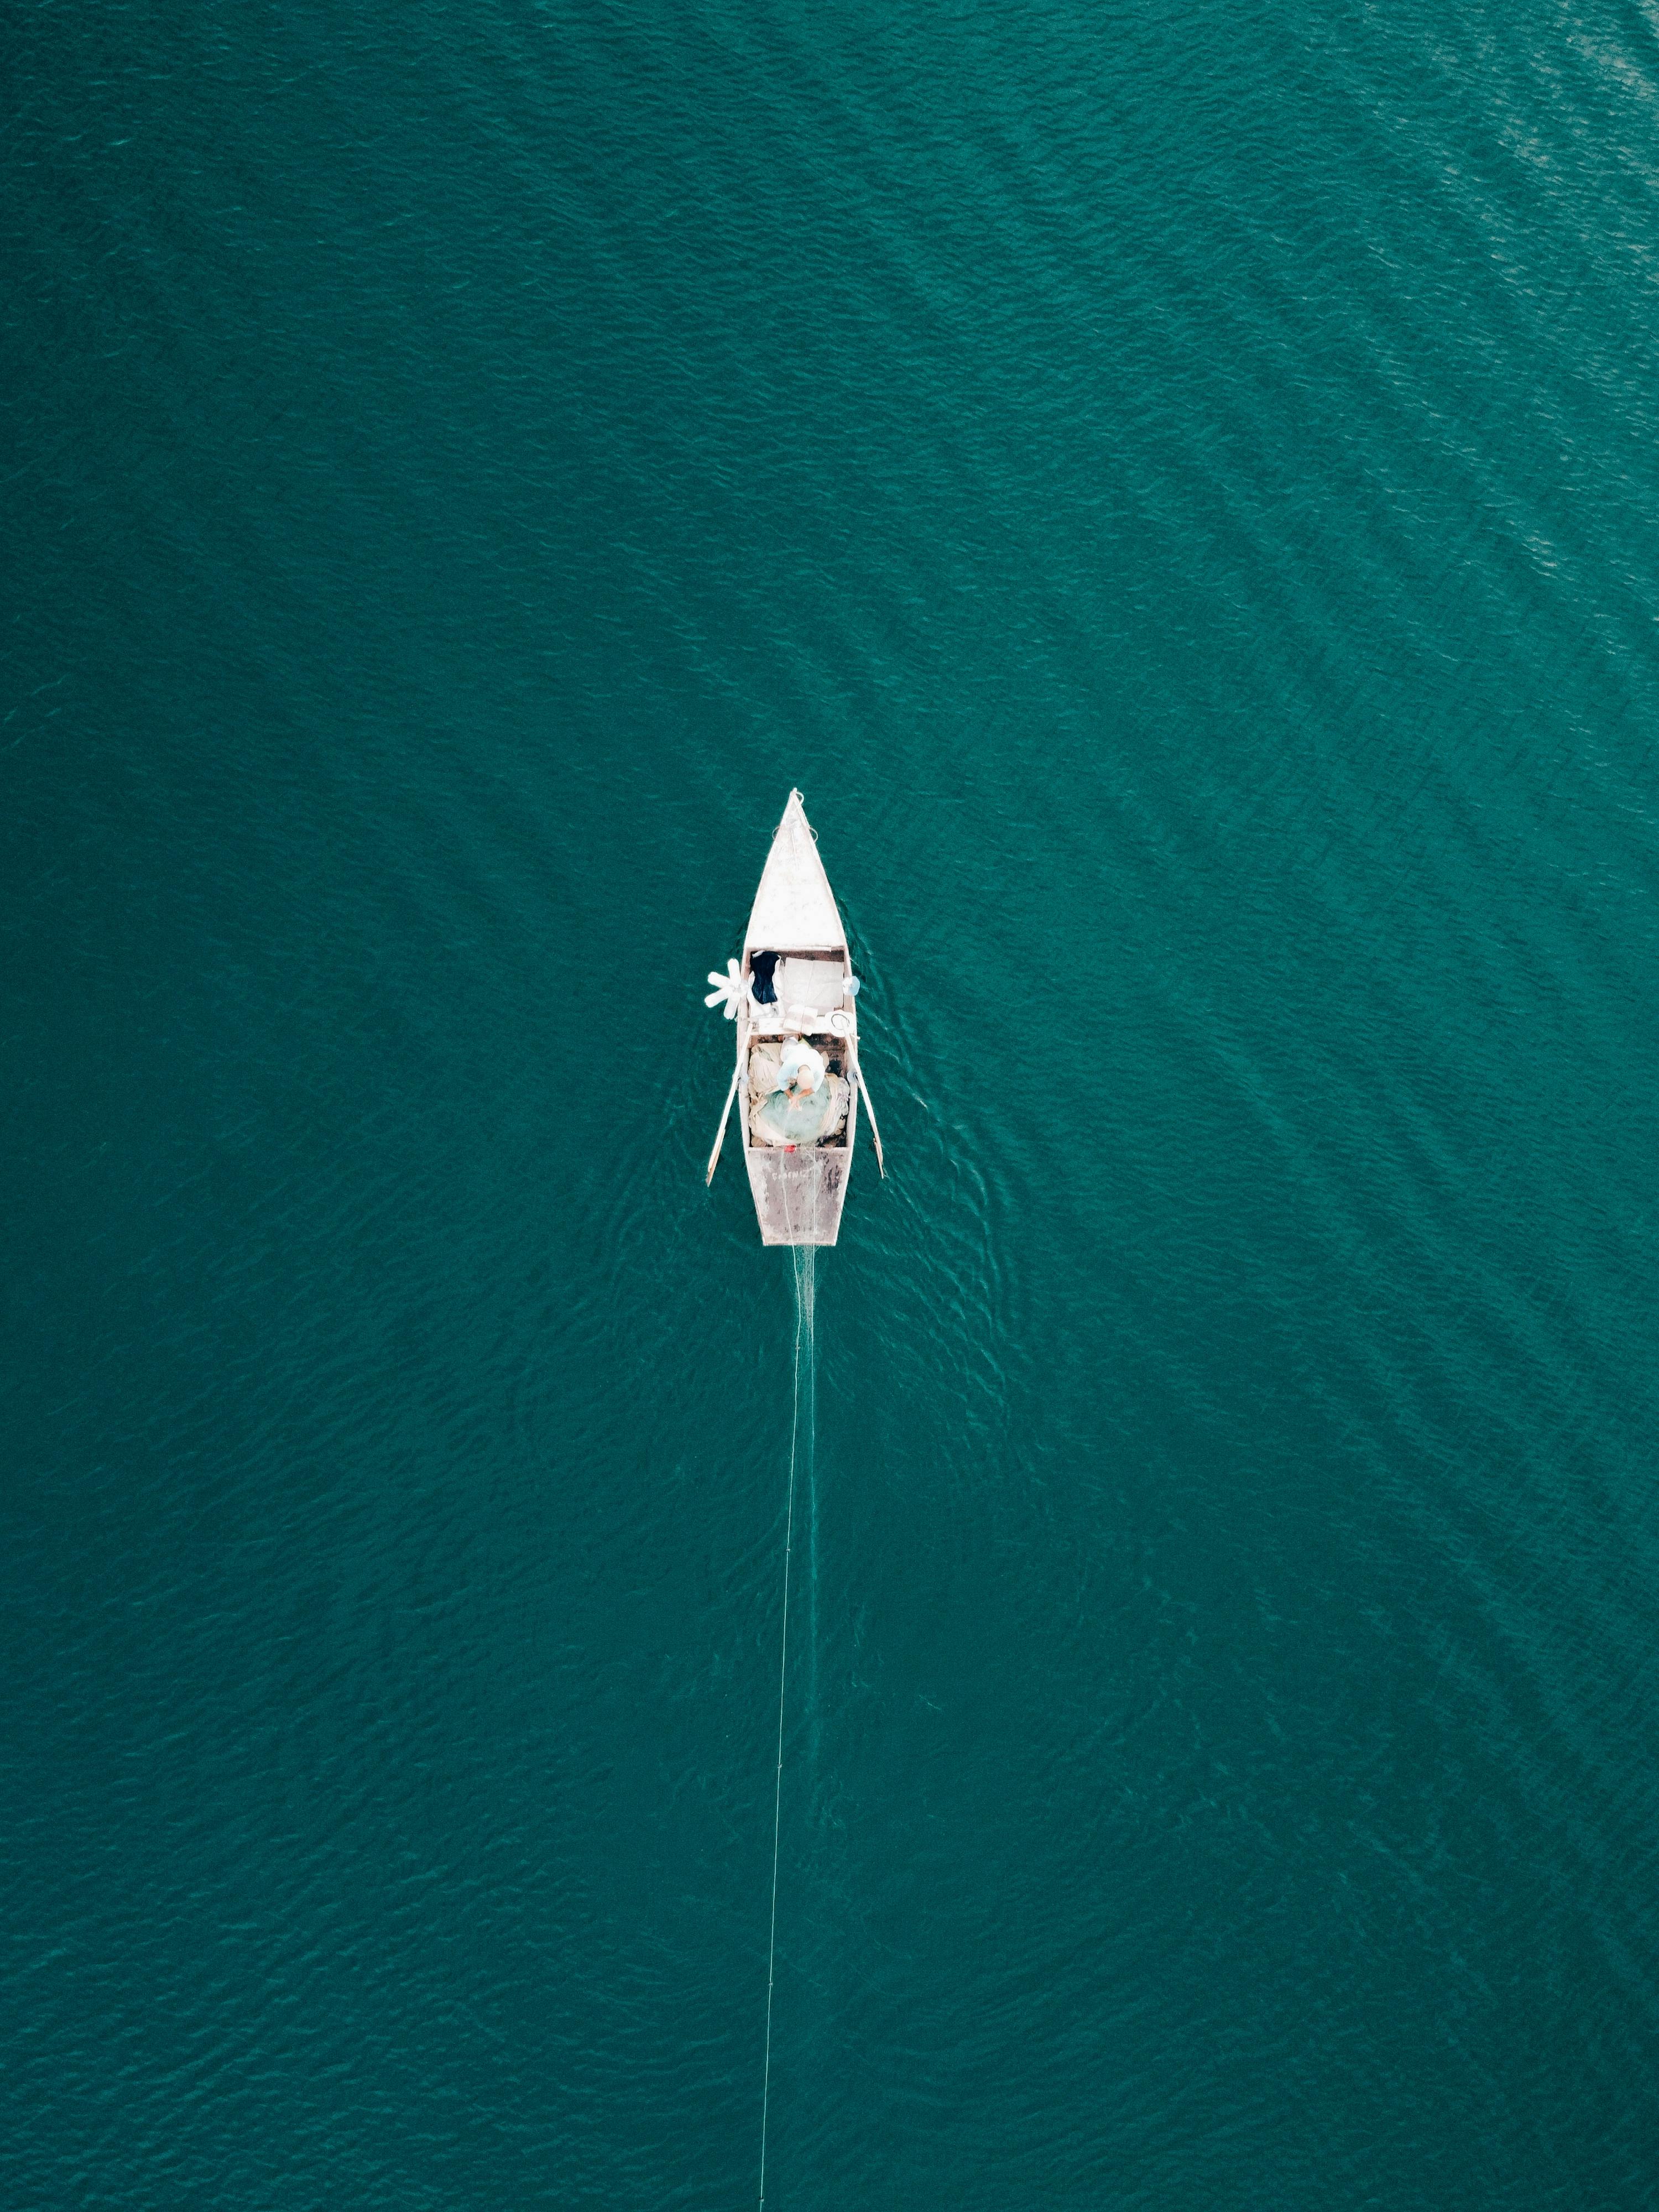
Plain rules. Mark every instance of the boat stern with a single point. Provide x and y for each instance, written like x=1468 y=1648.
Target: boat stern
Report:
x=798 y=1194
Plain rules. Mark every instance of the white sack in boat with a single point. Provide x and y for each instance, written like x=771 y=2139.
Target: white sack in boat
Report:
x=764 y=1070
x=815 y=984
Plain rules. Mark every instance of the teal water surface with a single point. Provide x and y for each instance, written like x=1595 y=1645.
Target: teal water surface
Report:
x=1174 y=487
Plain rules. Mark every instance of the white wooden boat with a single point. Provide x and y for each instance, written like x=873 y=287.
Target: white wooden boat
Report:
x=794 y=999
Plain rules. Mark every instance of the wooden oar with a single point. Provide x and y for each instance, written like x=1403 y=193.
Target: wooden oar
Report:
x=714 y=1157
x=869 y=1107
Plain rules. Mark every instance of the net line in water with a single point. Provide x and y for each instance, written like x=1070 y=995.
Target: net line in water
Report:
x=804 y=1257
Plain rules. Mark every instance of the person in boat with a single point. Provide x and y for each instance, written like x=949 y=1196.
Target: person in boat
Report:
x=805 y=1104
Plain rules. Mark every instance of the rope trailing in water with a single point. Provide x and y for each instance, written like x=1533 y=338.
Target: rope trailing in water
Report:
x=803 y=1256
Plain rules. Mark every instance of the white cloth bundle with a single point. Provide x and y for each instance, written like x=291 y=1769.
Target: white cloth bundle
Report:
x=815 y=985
x=764 y=1070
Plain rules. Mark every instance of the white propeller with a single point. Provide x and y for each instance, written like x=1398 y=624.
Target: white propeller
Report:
x=729 y=987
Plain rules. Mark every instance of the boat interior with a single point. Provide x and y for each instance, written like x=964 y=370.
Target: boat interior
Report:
x=806 y=997
x=799 y=994
x=763 y=1075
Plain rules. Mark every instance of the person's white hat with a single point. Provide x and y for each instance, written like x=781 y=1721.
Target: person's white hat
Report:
x=801 y=1069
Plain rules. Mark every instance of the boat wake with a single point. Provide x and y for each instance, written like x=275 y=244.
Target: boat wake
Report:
x=803 y=1255
x=803 y=1453
x=802 y=1428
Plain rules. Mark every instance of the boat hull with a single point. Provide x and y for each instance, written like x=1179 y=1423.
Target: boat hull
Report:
x=798 y=1191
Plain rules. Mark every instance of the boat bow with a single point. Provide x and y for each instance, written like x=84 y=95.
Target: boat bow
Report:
x=795 y=908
